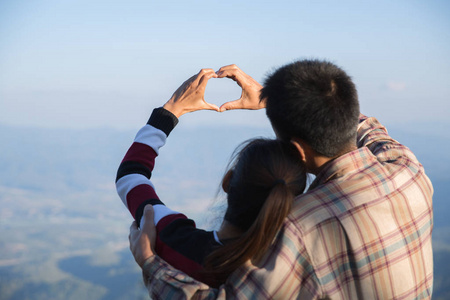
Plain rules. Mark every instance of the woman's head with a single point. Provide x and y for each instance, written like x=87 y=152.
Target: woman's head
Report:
x=261 y=185
x=261 y=167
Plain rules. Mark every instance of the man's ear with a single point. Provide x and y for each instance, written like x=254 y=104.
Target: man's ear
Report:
x=226 y=181
x=299 y=145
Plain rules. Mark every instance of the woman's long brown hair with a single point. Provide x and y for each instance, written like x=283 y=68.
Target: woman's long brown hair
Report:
x=265 y=177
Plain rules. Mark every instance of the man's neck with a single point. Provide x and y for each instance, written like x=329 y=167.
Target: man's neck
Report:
x=316 y=162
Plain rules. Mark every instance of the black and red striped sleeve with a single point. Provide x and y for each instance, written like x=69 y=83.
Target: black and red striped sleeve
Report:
x=133 y=176
x=178 y=241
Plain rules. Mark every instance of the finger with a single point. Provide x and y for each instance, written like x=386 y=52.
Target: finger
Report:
x=133 y=226
x=236 y=104
x=210 y=106
x=184 y=85
x=133 y=230
x=193 y=80
x=233 y=72
x=189 y=81
x=227 y=69
x=205 y=77
x=201 y=74
x=147 y=222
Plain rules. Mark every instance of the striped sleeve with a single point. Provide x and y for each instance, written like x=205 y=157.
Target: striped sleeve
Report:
x=133 y=176
x=178 y=240
x=184 y=246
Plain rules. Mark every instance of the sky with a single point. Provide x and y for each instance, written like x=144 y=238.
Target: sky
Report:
x=93 y=64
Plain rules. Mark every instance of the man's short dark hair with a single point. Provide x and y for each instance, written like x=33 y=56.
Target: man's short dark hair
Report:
x=315 y=101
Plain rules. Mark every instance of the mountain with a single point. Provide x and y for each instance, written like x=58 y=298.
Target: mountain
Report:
x=65 y=231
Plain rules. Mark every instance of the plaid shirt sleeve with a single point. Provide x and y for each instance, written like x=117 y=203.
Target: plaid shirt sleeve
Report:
x=362 y=231
x=165 y=282
x=374 y=136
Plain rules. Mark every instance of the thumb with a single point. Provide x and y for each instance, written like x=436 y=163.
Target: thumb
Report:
x=147 y=221
x=210 y=106
x=230 y=105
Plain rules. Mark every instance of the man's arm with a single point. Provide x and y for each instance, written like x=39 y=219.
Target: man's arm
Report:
x=162 y=280
x=270 y=280
x=373 y=135
x=400 y=163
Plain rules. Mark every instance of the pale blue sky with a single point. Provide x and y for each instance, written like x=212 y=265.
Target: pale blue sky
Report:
x=84 y=64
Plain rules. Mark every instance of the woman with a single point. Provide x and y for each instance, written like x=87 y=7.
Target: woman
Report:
x=264 y=177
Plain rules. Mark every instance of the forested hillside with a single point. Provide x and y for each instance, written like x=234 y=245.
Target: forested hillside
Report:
x=64 y=232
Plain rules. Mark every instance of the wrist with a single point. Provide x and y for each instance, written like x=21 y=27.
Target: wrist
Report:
x=171 y=107
x=150 y=255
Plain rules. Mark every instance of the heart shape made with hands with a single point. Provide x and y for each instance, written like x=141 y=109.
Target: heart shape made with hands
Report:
x=221 y=90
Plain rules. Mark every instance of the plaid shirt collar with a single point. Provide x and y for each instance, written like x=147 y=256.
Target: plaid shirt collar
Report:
x=350 y=162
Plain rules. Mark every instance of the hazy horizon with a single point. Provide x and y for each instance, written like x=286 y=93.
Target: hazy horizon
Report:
x=65 y=230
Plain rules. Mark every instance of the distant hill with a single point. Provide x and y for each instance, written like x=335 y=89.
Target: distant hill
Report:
x=64 y=229
x=190 y=165
x=52 y=159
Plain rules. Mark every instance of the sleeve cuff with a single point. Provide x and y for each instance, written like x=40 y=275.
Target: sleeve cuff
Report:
x=362 y=117
x=163 y=120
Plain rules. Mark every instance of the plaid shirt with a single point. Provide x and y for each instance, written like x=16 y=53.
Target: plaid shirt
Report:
x=362 y=231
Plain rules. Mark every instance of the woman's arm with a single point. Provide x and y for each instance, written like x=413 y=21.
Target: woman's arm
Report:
x=133 y=176
x=178 y=241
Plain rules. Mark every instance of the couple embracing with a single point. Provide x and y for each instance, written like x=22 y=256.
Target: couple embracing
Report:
x=362 y=229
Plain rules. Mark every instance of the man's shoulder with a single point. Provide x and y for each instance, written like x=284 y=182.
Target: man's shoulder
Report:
x=317 y=206
x=349 y=197
x=358 y=180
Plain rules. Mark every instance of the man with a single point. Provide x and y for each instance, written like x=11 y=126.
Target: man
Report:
x=361 y=231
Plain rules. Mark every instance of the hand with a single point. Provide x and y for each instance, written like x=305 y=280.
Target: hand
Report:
x=190 y=95
x=250 y=89
x=142 y=242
